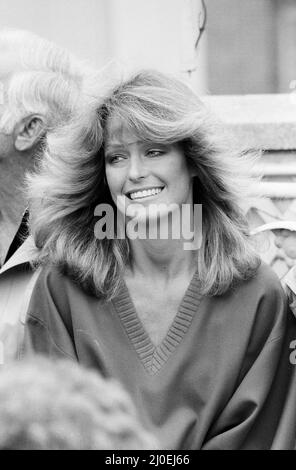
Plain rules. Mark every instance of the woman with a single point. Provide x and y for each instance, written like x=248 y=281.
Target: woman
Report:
x=199 y=338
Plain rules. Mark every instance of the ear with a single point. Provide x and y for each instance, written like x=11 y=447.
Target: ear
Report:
x=28 y=132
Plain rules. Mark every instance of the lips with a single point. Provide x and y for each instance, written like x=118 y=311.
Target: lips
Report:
x=143 y=193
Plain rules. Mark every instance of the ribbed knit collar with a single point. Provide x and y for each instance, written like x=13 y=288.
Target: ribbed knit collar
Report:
x=154 y=357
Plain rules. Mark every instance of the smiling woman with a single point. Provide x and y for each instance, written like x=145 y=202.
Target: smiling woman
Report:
x=199 y=338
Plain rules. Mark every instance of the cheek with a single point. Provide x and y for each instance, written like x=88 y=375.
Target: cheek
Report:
x=175 y=170
x=183 y=176
x=182 y=170
x=112 y=179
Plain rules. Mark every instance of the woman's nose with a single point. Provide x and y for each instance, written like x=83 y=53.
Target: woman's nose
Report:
x=137 y=168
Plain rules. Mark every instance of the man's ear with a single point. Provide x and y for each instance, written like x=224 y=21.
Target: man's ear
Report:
x=28 y=132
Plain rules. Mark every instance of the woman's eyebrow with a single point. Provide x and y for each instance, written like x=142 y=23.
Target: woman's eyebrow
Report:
x=120 y=145
x=113 y=146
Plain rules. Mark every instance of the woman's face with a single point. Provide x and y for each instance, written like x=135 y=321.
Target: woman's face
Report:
x=145 y=173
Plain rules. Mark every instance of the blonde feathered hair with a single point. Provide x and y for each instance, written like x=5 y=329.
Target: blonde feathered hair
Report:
x=71 y=183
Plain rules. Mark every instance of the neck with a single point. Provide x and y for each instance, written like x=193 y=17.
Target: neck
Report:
x=164 y=257
x=161 y=258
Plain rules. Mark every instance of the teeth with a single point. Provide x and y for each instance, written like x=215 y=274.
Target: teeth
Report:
x=145 y=193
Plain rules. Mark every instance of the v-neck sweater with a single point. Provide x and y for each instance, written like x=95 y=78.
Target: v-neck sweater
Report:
x=220 y=379
x=153 y=357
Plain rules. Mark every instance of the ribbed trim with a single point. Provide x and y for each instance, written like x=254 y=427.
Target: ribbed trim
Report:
x=154 y=357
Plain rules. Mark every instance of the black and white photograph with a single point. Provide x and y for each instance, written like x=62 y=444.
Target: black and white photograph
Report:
x=147 y=227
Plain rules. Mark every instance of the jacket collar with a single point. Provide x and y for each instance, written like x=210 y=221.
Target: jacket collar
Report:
x=26 y=253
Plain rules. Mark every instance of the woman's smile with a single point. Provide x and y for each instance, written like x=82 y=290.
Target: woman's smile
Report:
x=146 y=193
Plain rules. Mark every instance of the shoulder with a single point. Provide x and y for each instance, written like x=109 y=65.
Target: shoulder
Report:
x=51 y=275
x=50 y=282
x=264 y=284
x=262 y=289
x=54 y=282
x=266 y=303
x=49 y=326
x=266 y=277
x=56 y=291
x=52 y=295
x=255 y=308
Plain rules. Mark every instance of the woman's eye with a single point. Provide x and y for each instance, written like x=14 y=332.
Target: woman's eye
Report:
x=155 y=153
x=112 y=159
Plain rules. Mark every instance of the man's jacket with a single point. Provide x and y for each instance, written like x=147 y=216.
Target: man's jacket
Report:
x=17 y=280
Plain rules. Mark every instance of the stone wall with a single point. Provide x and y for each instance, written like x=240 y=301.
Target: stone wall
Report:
x=266 y=123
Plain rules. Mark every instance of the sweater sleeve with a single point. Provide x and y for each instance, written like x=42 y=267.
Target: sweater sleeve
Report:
x=48 y=328
x=261 y=413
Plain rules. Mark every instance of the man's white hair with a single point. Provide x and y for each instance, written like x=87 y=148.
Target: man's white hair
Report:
x=43 y=79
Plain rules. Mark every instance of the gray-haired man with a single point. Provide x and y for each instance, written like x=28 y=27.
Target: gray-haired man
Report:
x=40 y=86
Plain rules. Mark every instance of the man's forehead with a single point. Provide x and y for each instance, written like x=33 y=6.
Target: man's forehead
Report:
x=9 y=62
